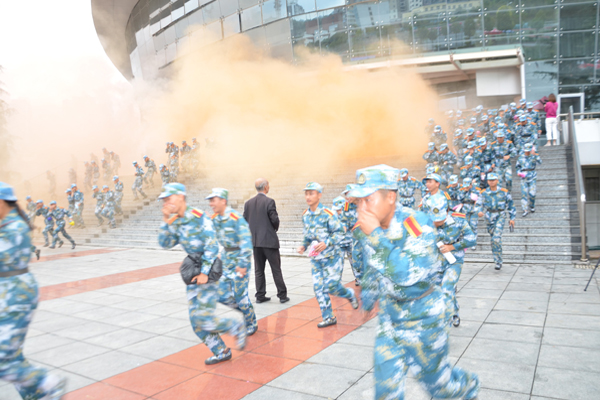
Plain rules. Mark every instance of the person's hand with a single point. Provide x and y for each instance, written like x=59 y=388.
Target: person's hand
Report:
x=200 y=279
x=446 y=248
x=512 y=223
x=241 y=271
x=480 y=214
x=301 y=250
x=320 y=247
x=167 y=210
x=506 y=157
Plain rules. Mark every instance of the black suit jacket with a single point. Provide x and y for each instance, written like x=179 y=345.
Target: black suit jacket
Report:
x=261 y=214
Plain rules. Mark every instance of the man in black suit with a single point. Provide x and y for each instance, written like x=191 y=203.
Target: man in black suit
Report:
x=261 y=214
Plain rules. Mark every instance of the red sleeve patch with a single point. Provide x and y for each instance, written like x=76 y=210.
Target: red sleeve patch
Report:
x=328 y=212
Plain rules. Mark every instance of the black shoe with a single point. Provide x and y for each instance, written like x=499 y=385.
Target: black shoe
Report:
x=455 y=321
x=532 y=210
x=225 y=356
x=251 y=331
x=524 y=214
x=284 y=300
x=52 y=247
x=60 y=244
x=356 y=282
x=73 y=246
x=498 y=266
x=37 y=253
x=327 y=322
x=263 y=299
x=46 y=245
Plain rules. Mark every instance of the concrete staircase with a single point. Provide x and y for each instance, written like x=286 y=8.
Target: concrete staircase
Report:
x=550 y=235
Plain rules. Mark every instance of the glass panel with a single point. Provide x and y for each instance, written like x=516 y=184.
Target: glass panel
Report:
x=211 y=12
x=489 y=5
x=537 y=3
x=247 y=3
x=541 y=47
x=302 y=47
x=577 y=44
x=181 y=27
x=177 y=10
x=155 y=28
x=203 y=2
x=397 y=36
x=231 y=25
x=282 y=51
x=147 y=34
x=251 y=18
x=539 y=20
x=430 y=35
x=465 y=27
x=161 y=57
x=501 y=40
x=278 y=32
x=171 y=52
x=323 y=4
x=300 y=6
x=183 y=47
x=578 y=1
x=165 y=17
x=364 y=43
x=196 y=18
x=333 y=32
x=139 y=38
x=228 y=7
x=541 y=74
x=170 y=34
x=467 y=44
x=572 y=72
x=257 y=36
x=190 y=6
x=305 y=26
x=592 y=103
x=578 y=17
x=570 y=89
x=159 y=41
x=471 y=7
x=214 y=31
x=273 y=10
x=501 y=23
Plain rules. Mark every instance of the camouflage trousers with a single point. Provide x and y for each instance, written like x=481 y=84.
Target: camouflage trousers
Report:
x=327 y=276
x=528 y=191
x=60 y=228
x=31 y=382
x=202 y=302
x=354 y=263
x=48 y=229
x=234 y=293
x=450 y=277
x=495 y=227
x=118 y=200
x=149 y=177
x=109 y=213
x=407 y=201
x=98 y=213
x=78 y=215
x=473 y=221
x=413 y=336
x=505 y=177
x=137 y=187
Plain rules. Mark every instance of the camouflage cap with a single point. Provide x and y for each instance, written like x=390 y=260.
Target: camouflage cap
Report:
x=470 y=131
x=74 y=185
x=68 y=191
x=468 y=160
x=28 y=198
x=500 y=133
x=431 y=145
x=443 y=146
x=458 y=132
x=115 y=178
x=7 y=192
x=218 y=192
x=313 y=186
x=435 y=177
x=105 y=187
x=482 y=141
x=528 y=147
x=453 y=180
x=438 y=206
x=529 y=104
x=349 y=187
x=492 y=176
x=467 y=182
x=458 y=113
x=172 y=188
x=371 y=179
x=39 y=202
x=403 y=172
x=338 y=203
x=53 y=202
x=522 y=101
x=94 y=187
x=471 y=144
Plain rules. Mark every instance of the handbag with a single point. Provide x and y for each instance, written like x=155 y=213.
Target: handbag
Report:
x=192 y=267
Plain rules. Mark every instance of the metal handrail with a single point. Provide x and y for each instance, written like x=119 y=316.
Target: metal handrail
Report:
x=581 y=200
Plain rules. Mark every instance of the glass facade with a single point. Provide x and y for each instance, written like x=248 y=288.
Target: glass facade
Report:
x=559 y=38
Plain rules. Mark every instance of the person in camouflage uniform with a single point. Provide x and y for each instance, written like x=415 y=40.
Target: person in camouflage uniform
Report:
x=106 y=169
x=164 y=174
x=139 y=180
x=70 y=200
x=525 y=167
x=407 y=186
x=99 y=196
x=87 y=179
x=469 y=195
x=59 y=214
x=503 y=151
x=30 y=208
x=401 y=262
x=346 y=212
x=431 y=155
x=95 y=172
x=174 y=167
x=78 y=207
x=454 y=232
x=19 y=294
x=118 y=195
x=150 y=170
x=495 y=201
x=470 y=170
x=233 y=234
x=49 y=227
x=195 y=232
x=108 y=210
x=453 y=190
x=116 y=162
x=323 y=233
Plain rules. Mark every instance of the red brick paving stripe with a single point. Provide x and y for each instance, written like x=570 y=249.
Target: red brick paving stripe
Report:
x=283 y=341
x=103 y=282
x=72 y=254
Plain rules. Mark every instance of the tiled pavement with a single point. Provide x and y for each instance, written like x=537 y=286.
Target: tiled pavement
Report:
x=530 y=332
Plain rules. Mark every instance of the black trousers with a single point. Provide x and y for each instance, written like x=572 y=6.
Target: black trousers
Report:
x=261 y=255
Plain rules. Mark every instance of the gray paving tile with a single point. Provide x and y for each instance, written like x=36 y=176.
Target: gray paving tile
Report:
x=458 y=345
x=522 y=305
x=122 y=337
x=185 y=333
x=503 y=351
x=68 y=354
x=511 y=333
x=59 y=322
x=581 y=297
x=474 y=314
x=500 y=376
x=574 y=308
x=272 y=393
x=571 y=321
x=100 y=314
x=467 y=328
x=529 y=287
x=364 y=389
x=135 y=304
x=74 y=381
x=164 y=308
x=574 y=289
x=525 y=295
x=86 y=330
x=517 y=318
x=43 y=342
x=325 y=380
x=362 y=336
x=481 y=293
x=558 y=383
x=572 y=358
x=481 y=284
x=345 y=356
x=571 y=337
x=158 y=347
x=161 y=325
x=129 y=318
x=489 y=394
x=474 y=302
x=106 y=365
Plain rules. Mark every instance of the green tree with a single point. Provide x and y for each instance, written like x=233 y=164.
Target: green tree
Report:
x=470 y=27
x=5 y=140
x=504 y=19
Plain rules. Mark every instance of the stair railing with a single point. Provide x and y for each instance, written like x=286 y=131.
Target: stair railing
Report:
x=581 y=199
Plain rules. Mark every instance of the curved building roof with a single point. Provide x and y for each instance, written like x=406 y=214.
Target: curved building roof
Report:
x=110 y=19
